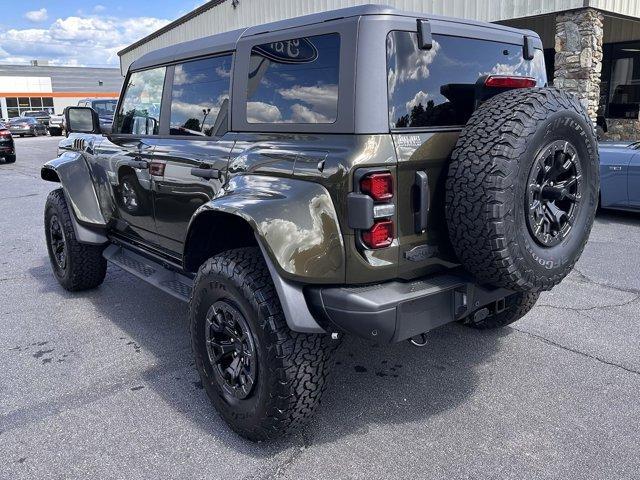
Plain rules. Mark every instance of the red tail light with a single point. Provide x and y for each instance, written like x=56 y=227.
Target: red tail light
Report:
x=378 y=185
x=5 y=133
x=505 y=81
x=380 y=235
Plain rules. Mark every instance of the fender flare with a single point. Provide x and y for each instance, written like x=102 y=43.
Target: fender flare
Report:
x=296 y=227
x=294 y=220
x=71 y=170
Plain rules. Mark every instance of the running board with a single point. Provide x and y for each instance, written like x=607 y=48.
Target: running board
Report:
x=150 y=271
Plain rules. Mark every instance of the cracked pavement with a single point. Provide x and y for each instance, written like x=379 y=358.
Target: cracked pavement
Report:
x=101 y=384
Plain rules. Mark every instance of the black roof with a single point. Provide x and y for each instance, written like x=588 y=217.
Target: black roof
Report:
x=227 y=40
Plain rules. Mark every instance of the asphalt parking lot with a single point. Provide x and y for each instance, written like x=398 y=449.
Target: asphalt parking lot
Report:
x=101 y=384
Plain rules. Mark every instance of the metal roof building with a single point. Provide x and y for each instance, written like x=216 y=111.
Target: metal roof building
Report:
x=38 y=86
x=592 y=47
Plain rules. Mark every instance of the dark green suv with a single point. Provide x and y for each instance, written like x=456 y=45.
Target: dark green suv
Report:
x=363 y=171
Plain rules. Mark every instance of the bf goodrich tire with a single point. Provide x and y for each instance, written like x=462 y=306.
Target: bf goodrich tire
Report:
x=264 y=379
x=77 y=266
x=522 y=189
x=516 y=306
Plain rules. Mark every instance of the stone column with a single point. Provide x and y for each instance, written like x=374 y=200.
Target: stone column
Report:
x=578 y=61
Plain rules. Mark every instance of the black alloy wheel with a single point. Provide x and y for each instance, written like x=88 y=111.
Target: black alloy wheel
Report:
x=553 y=193
x=58 y=243
x=231 y=350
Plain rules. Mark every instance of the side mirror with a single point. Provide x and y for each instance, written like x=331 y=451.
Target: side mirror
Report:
x=81 y=120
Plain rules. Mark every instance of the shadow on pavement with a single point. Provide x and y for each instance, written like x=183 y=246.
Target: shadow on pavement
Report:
x=618 y=216
x=370 y=385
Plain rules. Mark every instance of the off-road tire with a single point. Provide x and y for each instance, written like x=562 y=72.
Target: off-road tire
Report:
x=85 y=266
x=292 y=367
x=10 y=159
x=516 y=307
x=486 y=190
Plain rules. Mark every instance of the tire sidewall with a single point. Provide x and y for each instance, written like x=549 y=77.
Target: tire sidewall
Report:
x=554 y=261
x=246 y=413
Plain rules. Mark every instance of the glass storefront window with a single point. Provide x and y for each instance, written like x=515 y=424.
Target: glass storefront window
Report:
x=620 y=86
x=17 y=106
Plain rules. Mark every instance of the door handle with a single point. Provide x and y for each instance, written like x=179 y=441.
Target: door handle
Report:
x=421 y=199
x=206 y=173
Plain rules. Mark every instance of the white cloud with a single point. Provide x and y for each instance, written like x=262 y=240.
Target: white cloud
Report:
x=411 y=63
x=37 y=16
x=323 y=98
x=302 y=114
x=99 y=8
x=260 y=112
x=76 y=40
x=419 y=98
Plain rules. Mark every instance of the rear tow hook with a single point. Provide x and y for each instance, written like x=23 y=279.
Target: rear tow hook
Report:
x=419 y=340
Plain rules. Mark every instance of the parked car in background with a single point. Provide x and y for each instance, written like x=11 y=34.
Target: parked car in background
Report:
x=7 y=147
x=26 y=126
x=620 y=175
x=105 y=107
x=42 y=116
x=56 y=125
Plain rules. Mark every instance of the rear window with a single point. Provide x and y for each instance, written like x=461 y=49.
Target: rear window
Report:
x=294 y=81
x=434 y=88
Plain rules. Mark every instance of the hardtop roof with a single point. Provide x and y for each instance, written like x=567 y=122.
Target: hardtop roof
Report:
x=227 y=41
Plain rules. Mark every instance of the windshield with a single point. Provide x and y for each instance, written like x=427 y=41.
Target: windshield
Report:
x=105 y=107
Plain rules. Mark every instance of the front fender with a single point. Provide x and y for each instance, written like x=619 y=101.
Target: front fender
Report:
x=295 y=221
x=71 y=170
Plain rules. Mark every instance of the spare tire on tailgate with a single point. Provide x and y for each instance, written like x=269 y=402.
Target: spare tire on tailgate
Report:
x=522 y=189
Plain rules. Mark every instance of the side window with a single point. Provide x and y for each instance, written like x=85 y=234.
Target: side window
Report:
x=294 y=81
x=200 y=97
x=432 y=88
x=139 y=112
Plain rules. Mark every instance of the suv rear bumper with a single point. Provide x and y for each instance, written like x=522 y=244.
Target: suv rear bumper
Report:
x=395 y=311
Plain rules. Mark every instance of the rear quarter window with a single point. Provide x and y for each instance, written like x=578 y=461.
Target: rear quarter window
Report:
x=434 y=88
x=294 y=81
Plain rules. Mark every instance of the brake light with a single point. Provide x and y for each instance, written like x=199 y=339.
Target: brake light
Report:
x=505 y=81
x=378 y=186
x=5 y=133
x=380 y=235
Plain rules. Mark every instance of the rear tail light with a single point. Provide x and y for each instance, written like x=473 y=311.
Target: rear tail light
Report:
x=378 y=186
x=5 y=133
x=380 y=235
x=506 y=81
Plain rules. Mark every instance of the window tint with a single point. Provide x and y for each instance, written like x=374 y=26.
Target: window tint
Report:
x=200 y=97
x=139 y=112
x=436 y=87
x=294 y=81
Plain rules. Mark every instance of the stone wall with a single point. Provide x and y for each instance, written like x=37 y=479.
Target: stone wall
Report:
x=578 y=60
x=621 y=129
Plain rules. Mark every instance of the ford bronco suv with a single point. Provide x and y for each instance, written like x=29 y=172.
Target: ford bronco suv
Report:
x=363 y=171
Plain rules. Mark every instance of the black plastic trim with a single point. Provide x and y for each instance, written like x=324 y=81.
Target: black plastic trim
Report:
x=395 y=311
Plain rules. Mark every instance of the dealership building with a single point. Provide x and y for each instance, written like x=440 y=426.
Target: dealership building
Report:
x=39 y=86
x=592 y=47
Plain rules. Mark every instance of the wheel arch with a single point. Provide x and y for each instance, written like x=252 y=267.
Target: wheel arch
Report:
x=204 y=240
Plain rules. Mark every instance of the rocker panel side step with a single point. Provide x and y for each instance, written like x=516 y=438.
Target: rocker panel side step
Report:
x=152 y=272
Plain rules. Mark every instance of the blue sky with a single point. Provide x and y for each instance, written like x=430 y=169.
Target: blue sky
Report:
x=76 y=32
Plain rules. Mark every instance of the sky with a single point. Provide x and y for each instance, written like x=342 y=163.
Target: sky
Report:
x=80 y=33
